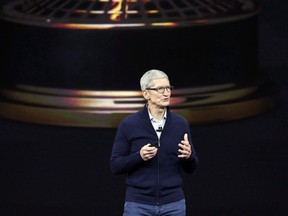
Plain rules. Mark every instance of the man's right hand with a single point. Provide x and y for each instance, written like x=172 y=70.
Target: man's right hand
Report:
x=147 y=152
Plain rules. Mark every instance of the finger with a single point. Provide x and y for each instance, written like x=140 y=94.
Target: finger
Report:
x=181 y=156
x=185 y=137
x=181 y=151
x=149 y=147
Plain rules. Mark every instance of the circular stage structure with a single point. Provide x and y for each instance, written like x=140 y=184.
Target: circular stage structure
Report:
x=78 y=62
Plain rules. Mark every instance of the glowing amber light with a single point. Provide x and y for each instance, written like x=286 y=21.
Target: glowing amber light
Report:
x=94 y=108
x=116 y=11
x=168 y=24
x=96 y=26
x=152 y=12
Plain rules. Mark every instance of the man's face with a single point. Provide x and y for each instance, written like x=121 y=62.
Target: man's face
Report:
x=156 y=98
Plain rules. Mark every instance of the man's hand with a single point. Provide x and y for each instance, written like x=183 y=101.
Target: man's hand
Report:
x=147 y=152
x=185 y=148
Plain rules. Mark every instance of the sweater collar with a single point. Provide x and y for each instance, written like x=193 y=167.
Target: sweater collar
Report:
x=146 y=119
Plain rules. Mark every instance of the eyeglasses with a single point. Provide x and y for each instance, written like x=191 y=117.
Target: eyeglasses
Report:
x=162 y=89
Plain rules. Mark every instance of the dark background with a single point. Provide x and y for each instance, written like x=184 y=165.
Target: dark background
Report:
x=47 y=170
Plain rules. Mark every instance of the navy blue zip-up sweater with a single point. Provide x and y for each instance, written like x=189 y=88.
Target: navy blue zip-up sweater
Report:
x=157 y=181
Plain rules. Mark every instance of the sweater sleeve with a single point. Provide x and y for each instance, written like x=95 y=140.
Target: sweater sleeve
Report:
x=121 y=160
x=190 y=164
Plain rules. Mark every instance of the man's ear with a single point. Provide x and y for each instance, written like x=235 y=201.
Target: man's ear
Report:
x=146 y=94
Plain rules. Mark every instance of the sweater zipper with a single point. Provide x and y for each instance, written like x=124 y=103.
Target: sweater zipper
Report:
x=158 y=174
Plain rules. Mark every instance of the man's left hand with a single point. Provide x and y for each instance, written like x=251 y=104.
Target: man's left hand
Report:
x=185 y=148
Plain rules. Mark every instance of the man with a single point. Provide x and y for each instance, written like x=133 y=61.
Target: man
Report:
x=151 y=147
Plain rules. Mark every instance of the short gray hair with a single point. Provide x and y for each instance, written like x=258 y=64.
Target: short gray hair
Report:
x=149 y=76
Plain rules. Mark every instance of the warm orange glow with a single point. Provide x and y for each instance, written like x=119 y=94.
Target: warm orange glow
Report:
x=168 y=24
x=116 y=11
x=152 y=11
x=132 y=12
x=103 y=12
x=91 y=12
x=114 y=100
x=96 y=26
x=94 y=108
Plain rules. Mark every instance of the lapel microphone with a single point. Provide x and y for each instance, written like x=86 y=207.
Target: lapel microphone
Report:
x=159 y=129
